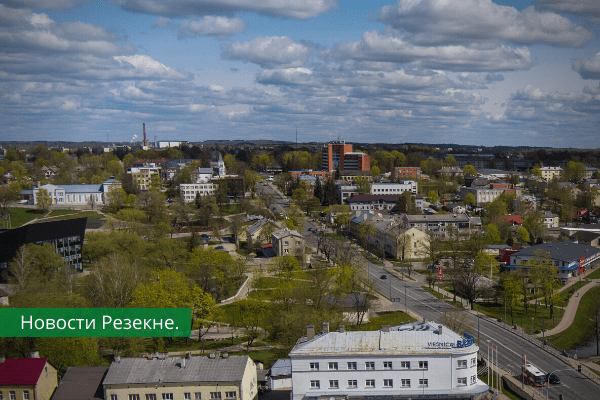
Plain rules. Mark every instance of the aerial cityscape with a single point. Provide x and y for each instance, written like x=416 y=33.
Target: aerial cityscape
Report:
x=282 y=200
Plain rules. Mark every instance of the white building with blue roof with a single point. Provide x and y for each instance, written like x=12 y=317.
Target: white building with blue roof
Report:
x=421 y=359
x=74 y=195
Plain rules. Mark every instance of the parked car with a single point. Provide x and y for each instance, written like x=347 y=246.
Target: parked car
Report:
x=383 y=277
x=431 y=266
x=205 y=236
x=219 y=248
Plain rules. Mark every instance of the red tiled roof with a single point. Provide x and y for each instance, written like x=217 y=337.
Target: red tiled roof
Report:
x=21 y=371
x=512 y=219
x=266 y=246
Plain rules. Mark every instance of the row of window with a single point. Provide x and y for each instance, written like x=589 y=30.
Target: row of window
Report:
x=370 y=365
x=169 y=396
x=369 y=383
x=12 y=395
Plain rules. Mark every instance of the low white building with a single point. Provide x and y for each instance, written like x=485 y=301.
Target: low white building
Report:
x=190 y=190
x=74 y=195
x=423 y=360
x=394 y=188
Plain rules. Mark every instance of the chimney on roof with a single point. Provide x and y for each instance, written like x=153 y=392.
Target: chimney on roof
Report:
x=325 y=327
x=225 y=354
x=2 y=359
x=182 y=364
x=34 y=354
x=211 y=355
x=117 y=359
x=342 y=330
x=385 y=328
x=440 y=330
x=188 y=355
x=310 y=332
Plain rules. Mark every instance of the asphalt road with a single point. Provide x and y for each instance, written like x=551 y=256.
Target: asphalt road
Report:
x=509 y=346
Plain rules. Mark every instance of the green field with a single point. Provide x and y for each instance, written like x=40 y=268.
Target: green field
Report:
x=594 y=275
x=540 y=315
x=19 y=216
x=391 y=318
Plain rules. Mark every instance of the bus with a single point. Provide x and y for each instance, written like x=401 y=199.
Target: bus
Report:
x=534 y=375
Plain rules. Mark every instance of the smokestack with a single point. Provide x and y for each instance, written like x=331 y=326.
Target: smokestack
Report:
x=117 y=359
x=385 y=328
x=2 y=359
x=342 y=329
x=310 y=332
x=144 y=125
x=34 y=354
x=325 y=327
x=440 y=330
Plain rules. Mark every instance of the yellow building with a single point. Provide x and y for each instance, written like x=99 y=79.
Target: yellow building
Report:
x=181 y=378
x=27 y=378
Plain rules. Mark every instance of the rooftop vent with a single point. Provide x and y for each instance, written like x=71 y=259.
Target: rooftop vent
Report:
x=211 y=355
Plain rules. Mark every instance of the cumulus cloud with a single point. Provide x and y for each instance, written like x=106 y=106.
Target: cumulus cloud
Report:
x=433 y=23
x=588 y=69
x=588 y=9
x=388 y=46
x=269 y=52
x=220 y=27
x=44 y=4
x=274 y=8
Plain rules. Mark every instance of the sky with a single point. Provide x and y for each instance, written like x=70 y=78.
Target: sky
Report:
x=475 y=72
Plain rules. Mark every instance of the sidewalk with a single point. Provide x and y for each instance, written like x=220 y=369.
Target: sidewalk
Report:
x=570 y=310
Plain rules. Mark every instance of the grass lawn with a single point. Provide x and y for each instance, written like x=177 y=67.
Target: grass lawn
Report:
x=371 y=259
x=391 y=318
x=267 y=357
x=522 y=319
x=574 y=336
x=566 y=294
x=594 y=275
x=56 y=213
x=19 y=216
x=399 y=271
x=434 y=293
x=81 y=214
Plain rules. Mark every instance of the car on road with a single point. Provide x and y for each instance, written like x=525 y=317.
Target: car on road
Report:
x=219 y=248
x=432 y=266
x=205 y=236
x=383 y=277
x=553 y=379
x=310 y=229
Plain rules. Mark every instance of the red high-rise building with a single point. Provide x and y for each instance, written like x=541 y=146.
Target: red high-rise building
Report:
x=340 y=154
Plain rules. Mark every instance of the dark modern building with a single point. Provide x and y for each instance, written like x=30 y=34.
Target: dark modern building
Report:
x=66 y=236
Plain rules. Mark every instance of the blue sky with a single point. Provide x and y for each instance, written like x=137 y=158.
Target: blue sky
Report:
x=431 y=71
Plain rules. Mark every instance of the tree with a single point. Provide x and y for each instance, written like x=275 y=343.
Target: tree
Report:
x=511 y=290
x=469 y=170
x=592 y=310
x=329 y=193
x=433 y=196
x=406 y=203
x=21 y=268
x=470 y=199
x=318 y=190
x=536 y=172
x=449 y=161
x=236 y=227
x=496 y=208
x=8 y=196
x=492 y=234
x=43 y=199
x=575 y=171
x=211 y=269
x=375 y=171
x=522 y=235
x=64 y=352
x=363 y=185
x=534 y=223
x=249 y=314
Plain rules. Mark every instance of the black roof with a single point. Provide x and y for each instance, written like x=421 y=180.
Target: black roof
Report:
x=81 y=383
x=12 y=239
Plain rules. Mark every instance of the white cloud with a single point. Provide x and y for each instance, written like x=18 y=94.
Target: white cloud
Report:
x=221 y=27
x=281 y=52
x=434 y=22
x=147 y=68
x=588 y=9
x=293 y=9
x=588 y=69
x=44 y=4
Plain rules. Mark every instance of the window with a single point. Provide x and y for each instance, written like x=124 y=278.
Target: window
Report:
x=352 y=384
x=215 y=395
x=151 y=396
x=315 y=384
x=462 y=381
x=387 y=365
x=405 y=382
x=26 y=395
x=314 y=366
x=423 y=382
x=167 y=396
x=1 y=397
x=112 y=397
x=369 y=365
x=473 y=379
x=134 y=397
x=473 y=362
x=333 y=366
x=187 y=396
x=423 y=364
x=462 y=363
x=334 y=384
x=405 y=364
x=230 y=395
x=388 y=383
x=370 y=383
x=351 y=365
x=197 y=396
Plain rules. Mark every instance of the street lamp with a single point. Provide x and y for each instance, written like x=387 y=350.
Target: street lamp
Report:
x=548 y=378
x=532 y=318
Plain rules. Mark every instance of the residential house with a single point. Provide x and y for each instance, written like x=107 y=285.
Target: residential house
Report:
x=27 y=378
x=419 y=202
x=549 y=173
x=453 y=172
x=146 y=174
x=511 y=219
x=81 y=383
x=254 y=231
x=280 y=375
x=370 y=202
x=189 y=191
x=455 y=208
x=550 y=219
x=488 y=192
x=394 y=188
x=422 y=360
x=181 y=378
x=409 y=172
x=288 y=241
x=49 y=172
x=345 y=191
